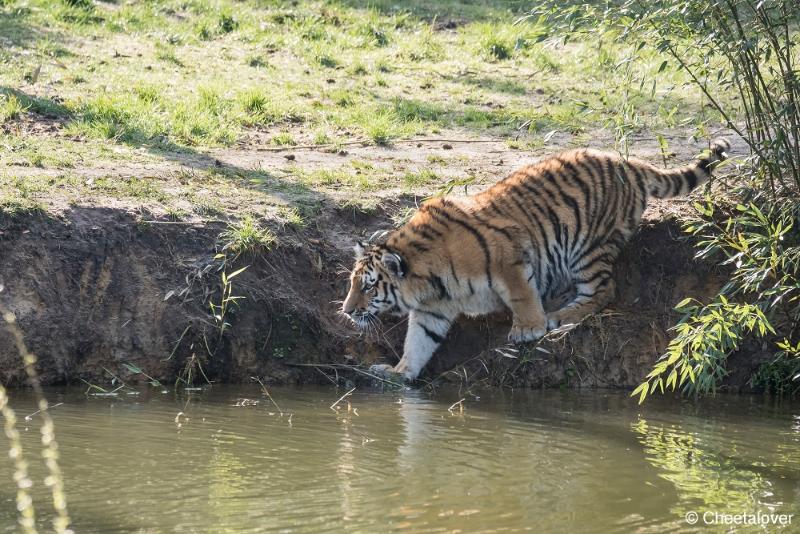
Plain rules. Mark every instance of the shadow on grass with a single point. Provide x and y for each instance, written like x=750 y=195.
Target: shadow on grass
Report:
x=122 y=128
x=15 y=29
x=443 y=12
x=506 y=86
x=45 y=107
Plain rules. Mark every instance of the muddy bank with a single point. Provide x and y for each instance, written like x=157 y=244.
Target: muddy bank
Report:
x=96 y=288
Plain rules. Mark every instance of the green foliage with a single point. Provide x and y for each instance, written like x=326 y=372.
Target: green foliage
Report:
x=247 y=236
x=780 y=376
x=10 y=107
x=704 y=337
x=291 y=216
x=497 y=49
x=220 y=310
x=283 y=139
x=381 y=129
x=761 y=243
x=452 y=184
x=423 y=177
x=13 y=103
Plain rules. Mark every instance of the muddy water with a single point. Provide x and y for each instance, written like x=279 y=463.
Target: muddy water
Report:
x=547 y=461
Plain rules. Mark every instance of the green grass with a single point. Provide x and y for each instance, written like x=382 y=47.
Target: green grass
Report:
x=247 y=236
x=303 y=47
x=166 y=52
x=163 y=81
x=292 y=216
x=20 y=199
x=10 y=107
x=283 y=139
x=423 y=177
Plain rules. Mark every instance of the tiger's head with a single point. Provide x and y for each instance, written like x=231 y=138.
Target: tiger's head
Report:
x=374 y=284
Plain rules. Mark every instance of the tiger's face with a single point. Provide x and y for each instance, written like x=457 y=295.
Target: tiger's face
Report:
x=374 y=285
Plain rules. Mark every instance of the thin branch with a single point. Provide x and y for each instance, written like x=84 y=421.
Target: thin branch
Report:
x=264 y=389
x=333 y=406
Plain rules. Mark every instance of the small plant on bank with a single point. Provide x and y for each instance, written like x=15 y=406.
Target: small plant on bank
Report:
x=292 y=216
x=221 y=309
x=762 y=299
x=381 y=129
x=423 y=177
x=781 y=375
x=247 y=237
x=191 y=369
x=10 y=107
x=283 y=139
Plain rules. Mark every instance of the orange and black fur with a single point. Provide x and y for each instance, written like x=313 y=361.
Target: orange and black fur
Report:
x=561 y=221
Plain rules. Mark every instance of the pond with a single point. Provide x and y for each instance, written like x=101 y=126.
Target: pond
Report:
x=214 y=461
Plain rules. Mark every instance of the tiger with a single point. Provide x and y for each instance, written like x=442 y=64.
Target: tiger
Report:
x=560 y=221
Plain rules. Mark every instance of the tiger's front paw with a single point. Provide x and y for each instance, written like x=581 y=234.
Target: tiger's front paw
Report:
x=520 y=333
x=388 y=373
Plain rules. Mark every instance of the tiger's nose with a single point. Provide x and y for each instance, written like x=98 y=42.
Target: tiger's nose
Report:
x=348 y=307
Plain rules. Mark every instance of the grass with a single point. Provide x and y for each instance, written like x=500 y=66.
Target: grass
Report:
x=247 y=236
x=423 y=177
x=145 y=82
x=283 y=139
x=10 y=107
x=18 y=206
x=197 y=47
x=292 y=216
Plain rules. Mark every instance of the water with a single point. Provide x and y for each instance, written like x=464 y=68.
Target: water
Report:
x=543 y=460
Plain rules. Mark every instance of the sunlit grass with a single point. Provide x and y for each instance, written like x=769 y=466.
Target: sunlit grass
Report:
x=327 y=42
x=145 y=81
x=423 y=177
x=10 y=107
x=247 y=236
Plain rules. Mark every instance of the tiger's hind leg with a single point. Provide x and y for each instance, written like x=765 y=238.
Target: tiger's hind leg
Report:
x=595 y=289
x=529 y=319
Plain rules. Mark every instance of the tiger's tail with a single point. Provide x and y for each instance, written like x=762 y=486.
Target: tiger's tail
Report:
x=666 y=183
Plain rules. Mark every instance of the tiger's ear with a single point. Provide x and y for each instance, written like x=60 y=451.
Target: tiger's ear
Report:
x=360 y=249
x=395 y=264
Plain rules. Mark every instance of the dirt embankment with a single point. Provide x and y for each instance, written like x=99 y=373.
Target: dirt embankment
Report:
x=95 y=288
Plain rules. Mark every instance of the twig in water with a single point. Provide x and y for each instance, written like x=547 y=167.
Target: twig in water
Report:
x=333 y=406
x=460 y=405
x=28 y=417
x=264 y=389
x=320 y=371
x=92 y=386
